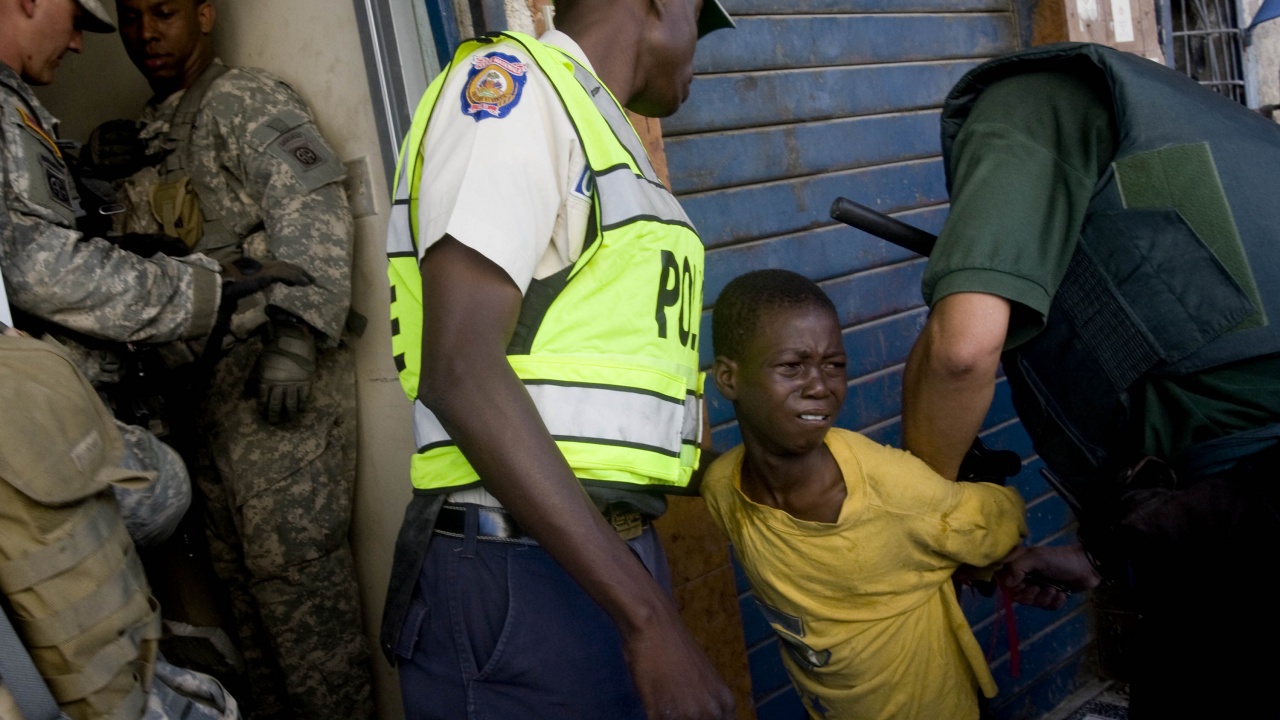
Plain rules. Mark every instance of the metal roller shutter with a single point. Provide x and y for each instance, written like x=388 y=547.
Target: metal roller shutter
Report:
x=805 y=101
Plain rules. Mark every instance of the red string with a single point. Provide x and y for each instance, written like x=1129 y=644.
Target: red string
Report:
x=1005 y=608
x=1011 y=631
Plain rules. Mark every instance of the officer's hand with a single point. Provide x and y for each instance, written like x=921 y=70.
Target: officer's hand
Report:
x=246 y=276
x=114 y=150
x=148 y=244
x=1045 y=576
x=285 y=369
x=672 y=674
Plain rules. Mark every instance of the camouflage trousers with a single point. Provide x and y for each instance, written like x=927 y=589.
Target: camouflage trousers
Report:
x=181 y=694
x=279 y=503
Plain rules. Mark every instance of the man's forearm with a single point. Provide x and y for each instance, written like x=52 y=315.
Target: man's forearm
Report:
x=93 y=287
x=950 y=378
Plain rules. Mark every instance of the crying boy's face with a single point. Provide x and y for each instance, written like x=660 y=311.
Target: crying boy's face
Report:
x=790 y=382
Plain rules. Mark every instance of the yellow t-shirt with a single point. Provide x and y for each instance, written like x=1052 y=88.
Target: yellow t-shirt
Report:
x=865 y=607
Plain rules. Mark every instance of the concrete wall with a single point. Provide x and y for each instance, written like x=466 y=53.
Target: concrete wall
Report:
x=315 y=46
x=1262 y=56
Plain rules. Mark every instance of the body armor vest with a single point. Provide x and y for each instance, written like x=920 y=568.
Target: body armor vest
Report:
x=1162 y=281
x=79 y=598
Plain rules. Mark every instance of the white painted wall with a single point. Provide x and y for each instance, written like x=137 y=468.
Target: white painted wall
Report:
x=315 y=46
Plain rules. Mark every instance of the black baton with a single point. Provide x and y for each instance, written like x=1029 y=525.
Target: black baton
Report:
x=883 y=226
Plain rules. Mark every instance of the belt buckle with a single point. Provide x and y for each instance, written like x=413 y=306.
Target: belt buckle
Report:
x=629 y=526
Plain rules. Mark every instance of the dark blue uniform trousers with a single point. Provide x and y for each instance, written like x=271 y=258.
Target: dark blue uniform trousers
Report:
x=498 y=631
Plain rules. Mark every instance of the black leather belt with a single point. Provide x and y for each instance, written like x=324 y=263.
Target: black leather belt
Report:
x=491 y=524
x=497 y=524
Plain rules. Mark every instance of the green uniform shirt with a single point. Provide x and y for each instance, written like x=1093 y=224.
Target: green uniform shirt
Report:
x=1023 y=170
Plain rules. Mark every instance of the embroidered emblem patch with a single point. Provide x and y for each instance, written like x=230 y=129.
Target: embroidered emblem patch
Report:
x=298 y=145
x=493 y=86
x=56 y=179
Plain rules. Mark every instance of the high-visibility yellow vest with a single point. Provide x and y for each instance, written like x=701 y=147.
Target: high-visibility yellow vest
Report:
x=608 y=347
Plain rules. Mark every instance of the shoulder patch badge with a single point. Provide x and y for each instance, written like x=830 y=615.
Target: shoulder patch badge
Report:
x=297 y=144
x=493 y=86
x=308 y=158
x=59 y=185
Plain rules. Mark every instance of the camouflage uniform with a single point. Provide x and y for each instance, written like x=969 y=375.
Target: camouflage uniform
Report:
x=88 y=285
x=84 y=284
x=280 y=496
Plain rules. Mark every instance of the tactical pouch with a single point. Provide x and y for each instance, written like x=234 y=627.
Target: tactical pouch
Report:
x=79 y=599
x=177 y=208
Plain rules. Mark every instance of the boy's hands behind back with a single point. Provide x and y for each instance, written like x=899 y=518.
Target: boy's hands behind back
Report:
x=1026 y=569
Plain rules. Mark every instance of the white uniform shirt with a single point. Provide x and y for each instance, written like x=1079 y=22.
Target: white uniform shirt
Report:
x=512 y=188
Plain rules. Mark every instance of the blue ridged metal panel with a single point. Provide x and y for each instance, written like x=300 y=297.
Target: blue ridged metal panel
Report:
x=807 y=100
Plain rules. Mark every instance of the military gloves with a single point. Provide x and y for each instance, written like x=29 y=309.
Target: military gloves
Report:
x=285 y=368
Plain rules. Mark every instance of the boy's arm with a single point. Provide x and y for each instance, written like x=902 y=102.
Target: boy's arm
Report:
x=968 y=523
x=986 y=523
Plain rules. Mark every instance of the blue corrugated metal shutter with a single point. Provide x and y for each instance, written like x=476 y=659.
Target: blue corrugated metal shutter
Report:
x=807 y=100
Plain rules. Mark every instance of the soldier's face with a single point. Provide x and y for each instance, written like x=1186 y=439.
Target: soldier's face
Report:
x=57 y=31
x=165 y=38
x=666 y=60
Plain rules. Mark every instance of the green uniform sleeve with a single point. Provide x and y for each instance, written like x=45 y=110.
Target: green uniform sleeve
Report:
x=1023 y=169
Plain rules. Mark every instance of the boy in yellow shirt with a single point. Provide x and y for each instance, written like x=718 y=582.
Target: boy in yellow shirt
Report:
x=849 y=545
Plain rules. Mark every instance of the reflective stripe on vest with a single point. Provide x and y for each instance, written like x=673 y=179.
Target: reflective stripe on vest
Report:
x=629 y=416
x=634 y=419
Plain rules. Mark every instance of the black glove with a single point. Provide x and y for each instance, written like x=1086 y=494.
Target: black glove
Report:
x=148 y=244
x=245 y=276
x=285 y=369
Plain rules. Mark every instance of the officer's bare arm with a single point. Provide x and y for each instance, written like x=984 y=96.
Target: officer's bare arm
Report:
x=470 y=309
x=950 y=378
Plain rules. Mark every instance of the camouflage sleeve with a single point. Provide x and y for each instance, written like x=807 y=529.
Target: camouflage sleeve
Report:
x=87 y=284
x=296 y=179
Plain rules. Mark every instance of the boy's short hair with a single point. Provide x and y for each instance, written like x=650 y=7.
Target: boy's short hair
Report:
x=748 y=297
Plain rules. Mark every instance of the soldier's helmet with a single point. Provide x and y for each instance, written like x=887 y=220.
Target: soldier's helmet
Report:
x=96 y=18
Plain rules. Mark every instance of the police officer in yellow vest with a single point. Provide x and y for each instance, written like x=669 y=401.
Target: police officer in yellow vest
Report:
x=546 y=291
